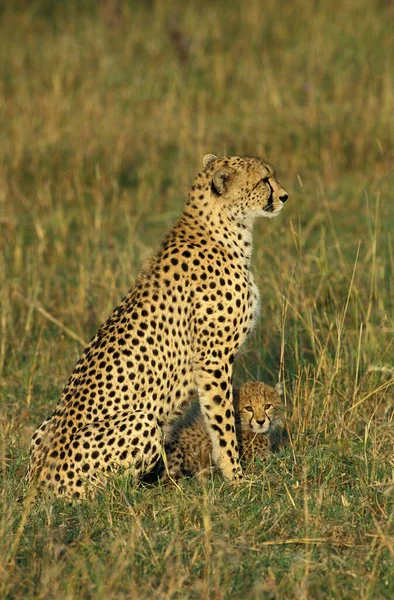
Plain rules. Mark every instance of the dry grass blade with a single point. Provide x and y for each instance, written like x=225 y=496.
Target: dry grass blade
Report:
x=40 y=309
x=308 y=541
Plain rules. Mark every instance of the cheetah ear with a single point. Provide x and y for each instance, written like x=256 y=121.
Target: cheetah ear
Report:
x=208 y=158
x=279 y=388
x=221 y=180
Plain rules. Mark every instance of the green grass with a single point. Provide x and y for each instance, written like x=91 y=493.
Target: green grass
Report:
x=107 y=109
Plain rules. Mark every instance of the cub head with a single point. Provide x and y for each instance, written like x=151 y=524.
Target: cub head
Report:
x=245 y=188
x=259 y=407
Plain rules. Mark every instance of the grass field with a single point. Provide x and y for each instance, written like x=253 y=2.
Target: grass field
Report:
x=107 y=109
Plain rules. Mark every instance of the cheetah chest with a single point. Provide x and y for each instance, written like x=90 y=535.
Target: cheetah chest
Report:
x=254 y=304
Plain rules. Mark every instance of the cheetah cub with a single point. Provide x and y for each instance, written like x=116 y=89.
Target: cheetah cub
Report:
x=259 y=426
x=176 y=332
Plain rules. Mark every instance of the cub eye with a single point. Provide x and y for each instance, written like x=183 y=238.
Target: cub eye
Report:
x=248 y=408
x=266 y=179
x=268 y=406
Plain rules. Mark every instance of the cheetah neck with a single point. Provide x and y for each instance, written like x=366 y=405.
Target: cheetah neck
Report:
x=202 y=211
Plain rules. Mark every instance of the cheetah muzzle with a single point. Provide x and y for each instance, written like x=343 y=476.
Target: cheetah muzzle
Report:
x=176 y=332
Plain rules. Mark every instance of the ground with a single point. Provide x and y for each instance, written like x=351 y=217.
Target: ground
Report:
x=106 y=111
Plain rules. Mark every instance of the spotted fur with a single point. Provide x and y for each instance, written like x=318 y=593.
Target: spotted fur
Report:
x=176 y=332
x=258 y=423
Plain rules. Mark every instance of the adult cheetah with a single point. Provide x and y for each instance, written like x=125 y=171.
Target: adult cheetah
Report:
x=177 y=331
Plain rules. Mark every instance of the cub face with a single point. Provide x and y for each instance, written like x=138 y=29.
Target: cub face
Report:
x=260 y=407
x=246 y=188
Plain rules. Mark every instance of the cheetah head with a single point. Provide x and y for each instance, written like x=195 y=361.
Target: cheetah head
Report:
x=245 y=188
x=260 y=407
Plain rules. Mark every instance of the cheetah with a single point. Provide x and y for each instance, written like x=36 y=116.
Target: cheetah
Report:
x=258 y=423
x=176 y=332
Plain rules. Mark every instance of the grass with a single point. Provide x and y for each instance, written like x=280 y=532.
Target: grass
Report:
x=107 y=109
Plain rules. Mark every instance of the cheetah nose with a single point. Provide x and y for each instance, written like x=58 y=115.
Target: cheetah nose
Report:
x=260 y=421
x=284 y=197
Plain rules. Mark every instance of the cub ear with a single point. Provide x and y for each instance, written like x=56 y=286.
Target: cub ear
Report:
x=208 y=158
x=279 y=388
x=221 y=179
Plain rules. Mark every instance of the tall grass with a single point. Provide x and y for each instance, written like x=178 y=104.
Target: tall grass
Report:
x=107 y=109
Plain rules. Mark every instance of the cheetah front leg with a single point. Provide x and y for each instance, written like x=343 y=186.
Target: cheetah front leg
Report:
x=214 y=384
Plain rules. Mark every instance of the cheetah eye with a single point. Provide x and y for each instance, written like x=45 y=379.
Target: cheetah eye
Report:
x=267 y=406
x=265 y=179
x=248 y=408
